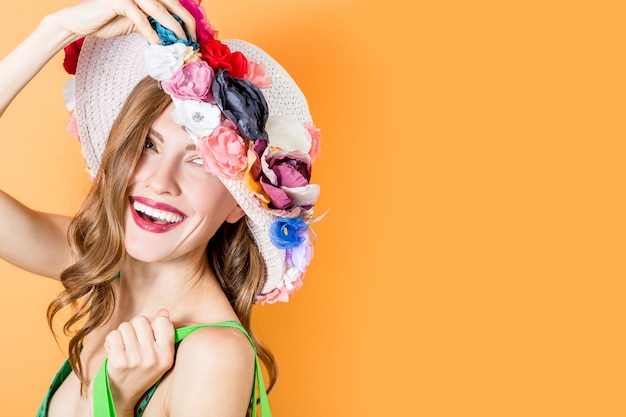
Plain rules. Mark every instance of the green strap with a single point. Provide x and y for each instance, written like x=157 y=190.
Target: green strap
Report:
x=103 y=401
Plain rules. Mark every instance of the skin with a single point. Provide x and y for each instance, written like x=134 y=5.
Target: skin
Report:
x=166 y=280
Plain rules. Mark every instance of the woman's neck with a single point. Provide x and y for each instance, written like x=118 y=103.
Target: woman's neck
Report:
x=187 y=288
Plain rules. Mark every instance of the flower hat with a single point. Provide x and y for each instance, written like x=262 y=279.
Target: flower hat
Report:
x=248 y=118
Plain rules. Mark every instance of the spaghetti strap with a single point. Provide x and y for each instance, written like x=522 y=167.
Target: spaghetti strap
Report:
x=103 y=401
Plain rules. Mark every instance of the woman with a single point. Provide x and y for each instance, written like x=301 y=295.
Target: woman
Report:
x=200 y=206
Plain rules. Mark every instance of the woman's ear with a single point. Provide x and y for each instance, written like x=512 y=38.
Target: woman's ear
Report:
x=236 y=214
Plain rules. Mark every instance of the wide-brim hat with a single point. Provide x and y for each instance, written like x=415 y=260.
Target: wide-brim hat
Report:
x=109 y=69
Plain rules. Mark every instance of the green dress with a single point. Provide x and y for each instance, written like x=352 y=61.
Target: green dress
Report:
x=103 y=402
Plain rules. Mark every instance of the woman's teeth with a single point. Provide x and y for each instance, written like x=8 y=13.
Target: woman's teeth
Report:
x=156 y=214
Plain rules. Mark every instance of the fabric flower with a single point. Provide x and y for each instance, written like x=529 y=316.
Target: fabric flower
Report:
x=274 y=296
x=197 y=117
x=257 y=75
x=162 y=62
x=191 y=55
x=223 y=152
x=69 y=94
x=287 y=133
x=287 y=233
x=72 y=127
x=219 y=56
x=282 y=292
x=242 y=103
x=284 y=178
x=168 y=37
x=204 y=30
x=191 y=82
x=316 y=141
x=300 y=256
x=292 y=280
x=71 y=55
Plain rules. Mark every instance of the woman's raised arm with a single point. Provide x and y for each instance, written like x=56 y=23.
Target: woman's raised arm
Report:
x=34 y=241
x=102 y=18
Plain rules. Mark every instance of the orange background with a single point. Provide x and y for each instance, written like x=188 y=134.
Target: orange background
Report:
x=472 y=262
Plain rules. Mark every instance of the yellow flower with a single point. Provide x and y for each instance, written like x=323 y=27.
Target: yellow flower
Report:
x=191 y=55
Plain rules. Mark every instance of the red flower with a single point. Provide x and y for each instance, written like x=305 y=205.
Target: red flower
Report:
x=238 y=64
x=71 y=55
x=218 y=56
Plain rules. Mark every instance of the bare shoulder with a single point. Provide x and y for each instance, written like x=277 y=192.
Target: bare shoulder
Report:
x=213 y=374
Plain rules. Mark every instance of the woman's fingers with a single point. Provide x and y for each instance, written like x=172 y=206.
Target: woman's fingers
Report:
x=109 y=18
x=174 y=7
x=142 y=344
x=159 y=12
x=162 y=12
x=163 y=331
x=141 y=23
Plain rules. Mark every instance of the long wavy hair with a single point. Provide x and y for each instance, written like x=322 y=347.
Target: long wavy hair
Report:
x=96 y=236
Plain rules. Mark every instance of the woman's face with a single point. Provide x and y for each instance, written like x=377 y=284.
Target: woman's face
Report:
x=174 y=205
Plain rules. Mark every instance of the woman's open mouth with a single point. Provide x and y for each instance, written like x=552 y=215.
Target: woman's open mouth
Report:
x=154 y=217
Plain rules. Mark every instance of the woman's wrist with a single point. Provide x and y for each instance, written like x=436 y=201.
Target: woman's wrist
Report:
x=54 y=31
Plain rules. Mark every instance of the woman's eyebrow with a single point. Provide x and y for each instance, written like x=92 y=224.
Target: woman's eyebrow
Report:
x=157 y=135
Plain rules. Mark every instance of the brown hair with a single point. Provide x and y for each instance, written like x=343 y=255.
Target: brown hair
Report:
x=96 y=235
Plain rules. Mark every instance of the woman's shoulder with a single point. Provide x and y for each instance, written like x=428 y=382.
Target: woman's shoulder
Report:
x=214 y=371
x=221 y=340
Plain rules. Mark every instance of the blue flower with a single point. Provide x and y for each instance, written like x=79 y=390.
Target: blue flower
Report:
x=168 y=37
x=288 y=233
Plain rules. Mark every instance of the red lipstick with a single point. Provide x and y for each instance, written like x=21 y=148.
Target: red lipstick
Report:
x=148 y=225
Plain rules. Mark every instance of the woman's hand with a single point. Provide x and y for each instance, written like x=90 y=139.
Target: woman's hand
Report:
x=139 y=353
x=109 y=18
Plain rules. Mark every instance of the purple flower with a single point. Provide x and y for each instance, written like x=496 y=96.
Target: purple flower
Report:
x=287 y=233
x=284 y=177
x=300 y=256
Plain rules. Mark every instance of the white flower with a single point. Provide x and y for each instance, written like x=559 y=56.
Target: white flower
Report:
x=303 y=196
x=288 y=134
x=290 y=276
x=197 y=117
x=163 y=61
x=69 y=94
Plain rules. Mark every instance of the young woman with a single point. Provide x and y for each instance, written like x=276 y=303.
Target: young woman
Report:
x=201 y=155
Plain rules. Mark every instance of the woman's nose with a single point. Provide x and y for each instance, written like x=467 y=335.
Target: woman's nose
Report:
x=163 y=178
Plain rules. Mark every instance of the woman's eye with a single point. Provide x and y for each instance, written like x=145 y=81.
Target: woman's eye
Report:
x=149 y=144
x=197 y=160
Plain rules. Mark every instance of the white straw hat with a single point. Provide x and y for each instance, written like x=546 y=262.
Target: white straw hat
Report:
x=108 y=70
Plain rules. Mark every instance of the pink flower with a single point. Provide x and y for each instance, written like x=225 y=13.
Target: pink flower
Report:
x=191 y=82
x=204 y=30
x=316 y=139
x=223 y=152
x=273 y=296
x=256 y=74
x=72 y=127
x=281 y=293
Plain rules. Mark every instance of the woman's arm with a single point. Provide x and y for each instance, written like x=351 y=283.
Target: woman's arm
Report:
x=34 y=241
x=102 y=18
x=21 y=64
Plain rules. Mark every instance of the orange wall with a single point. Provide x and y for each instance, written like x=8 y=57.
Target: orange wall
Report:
x=472 y=263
